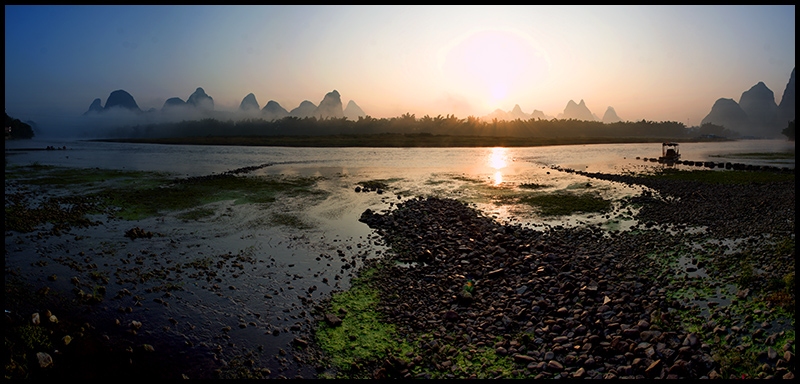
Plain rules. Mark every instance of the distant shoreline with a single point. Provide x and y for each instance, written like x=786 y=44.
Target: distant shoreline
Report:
x=390 y=140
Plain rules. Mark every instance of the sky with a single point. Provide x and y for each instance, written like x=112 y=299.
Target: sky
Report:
x=660 y=63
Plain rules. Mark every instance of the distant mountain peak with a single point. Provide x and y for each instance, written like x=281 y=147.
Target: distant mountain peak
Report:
x=274 y=111
x=95 y=107
x=786 y=108
x=577 y=111
x=330 y=106
x=611 y=116
x=305 y=109
x=352 y=111
x=727 y=113
x=200 y=99
x=173 y=102
x=121 y=99
x=249 y=103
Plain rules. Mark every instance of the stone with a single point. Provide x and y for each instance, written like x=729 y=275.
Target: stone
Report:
x=45 y=360
x=555 y=366
x=653 y=369
x=524 y=359
x=451 y=316
x=332 y=320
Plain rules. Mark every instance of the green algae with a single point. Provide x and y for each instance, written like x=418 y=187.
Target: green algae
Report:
x=562 y=204
x=363 y=336
x=365 y=339
x=134 y=195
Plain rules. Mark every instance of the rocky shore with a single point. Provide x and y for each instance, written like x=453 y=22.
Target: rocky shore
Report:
x=573 y=303
x=473 y=297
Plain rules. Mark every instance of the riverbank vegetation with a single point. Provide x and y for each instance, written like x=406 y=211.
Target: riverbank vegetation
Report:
x=407 y=130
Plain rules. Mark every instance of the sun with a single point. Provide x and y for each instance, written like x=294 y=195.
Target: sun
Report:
x=493 y=65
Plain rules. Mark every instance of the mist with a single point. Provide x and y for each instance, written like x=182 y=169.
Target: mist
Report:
x=124 y=123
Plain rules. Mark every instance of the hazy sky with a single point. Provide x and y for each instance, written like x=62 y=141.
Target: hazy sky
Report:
x=652 y=62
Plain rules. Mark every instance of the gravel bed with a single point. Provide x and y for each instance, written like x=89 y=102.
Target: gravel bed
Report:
x=566 y=302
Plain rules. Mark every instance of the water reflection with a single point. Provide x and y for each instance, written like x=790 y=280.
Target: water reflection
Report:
x=498 y=160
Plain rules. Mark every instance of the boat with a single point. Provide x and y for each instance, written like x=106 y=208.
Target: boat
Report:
x=670 y=152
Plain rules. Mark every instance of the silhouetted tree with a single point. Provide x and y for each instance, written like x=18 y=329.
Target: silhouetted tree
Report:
x=16 y=129
x=789 y=131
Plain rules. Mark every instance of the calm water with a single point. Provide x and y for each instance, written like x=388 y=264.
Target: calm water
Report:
x=443 y=172
x=201 y=160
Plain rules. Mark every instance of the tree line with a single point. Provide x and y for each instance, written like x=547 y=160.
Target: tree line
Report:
x=410 y=124
x=16 y=129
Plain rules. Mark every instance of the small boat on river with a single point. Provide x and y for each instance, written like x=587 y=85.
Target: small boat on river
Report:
x=670 y=152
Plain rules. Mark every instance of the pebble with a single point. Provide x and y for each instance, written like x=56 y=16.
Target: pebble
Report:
x=575 y=328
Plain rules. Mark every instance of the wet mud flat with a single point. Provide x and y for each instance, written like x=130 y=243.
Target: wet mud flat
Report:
x=125 y=274
x=468 y=297
x=238 y=286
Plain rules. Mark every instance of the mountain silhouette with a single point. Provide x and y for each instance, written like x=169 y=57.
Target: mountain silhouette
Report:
x=756 y=113
x=611 y=116
x=727 y=113
x=249 y=103
x=759 y=104
x=786 y=109
x=577 y=111
x=330 y=106
x=515 y=113
x=305 y=109
x=173 y=102
x=274 y=111
x=95 y=107
x=121 y=99
x=352 y=111
x=200 y=99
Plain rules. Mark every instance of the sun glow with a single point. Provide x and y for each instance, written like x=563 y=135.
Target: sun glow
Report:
x=498 y=160
x=493 y=66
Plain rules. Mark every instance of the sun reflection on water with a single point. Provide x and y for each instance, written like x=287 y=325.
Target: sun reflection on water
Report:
x=498 y=159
